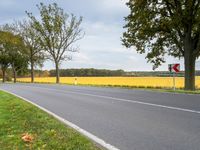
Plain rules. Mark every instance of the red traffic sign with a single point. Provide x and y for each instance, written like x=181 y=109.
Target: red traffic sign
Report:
x=174 y=67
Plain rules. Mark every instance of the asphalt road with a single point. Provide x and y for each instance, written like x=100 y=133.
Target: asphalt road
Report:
x=127 y=119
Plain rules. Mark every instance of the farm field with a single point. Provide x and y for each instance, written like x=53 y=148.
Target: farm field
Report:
x=141 y=82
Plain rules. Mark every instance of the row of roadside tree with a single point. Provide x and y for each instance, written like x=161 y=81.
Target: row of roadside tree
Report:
x=28 y=43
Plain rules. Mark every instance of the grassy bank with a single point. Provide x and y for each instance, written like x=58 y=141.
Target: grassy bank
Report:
x=154 y=89
x=145 y=88
x=23 y=126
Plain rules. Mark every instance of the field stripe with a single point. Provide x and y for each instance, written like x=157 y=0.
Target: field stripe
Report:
x=122 y=100
x=70 y=124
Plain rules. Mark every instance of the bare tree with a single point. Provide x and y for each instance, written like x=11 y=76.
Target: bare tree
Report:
x=57 y=32
x=31 y=39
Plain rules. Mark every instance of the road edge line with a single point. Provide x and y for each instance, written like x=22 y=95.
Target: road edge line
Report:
x=89 y=135
x=127 y=100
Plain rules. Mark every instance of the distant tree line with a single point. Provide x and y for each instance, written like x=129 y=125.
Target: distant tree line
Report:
x=91 y=72
x=87 y=72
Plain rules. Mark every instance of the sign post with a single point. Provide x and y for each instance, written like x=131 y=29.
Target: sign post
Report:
x=174 y=81
x=174 y=68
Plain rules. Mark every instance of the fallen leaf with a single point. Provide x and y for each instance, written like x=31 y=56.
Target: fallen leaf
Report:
x=27 y=137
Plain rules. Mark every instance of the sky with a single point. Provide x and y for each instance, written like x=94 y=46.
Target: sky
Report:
x=103 y=22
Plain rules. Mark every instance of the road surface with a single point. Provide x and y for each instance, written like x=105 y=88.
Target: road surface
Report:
x=127 y=119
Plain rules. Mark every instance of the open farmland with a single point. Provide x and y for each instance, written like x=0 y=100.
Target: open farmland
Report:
x=141 y=82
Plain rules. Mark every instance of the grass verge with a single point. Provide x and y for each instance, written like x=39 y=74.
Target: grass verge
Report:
x=148 y=88
x=159 y=89
x=154 y=89
x=167 y=90
x=24 y=126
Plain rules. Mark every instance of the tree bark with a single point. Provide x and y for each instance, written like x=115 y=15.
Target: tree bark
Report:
x=14 y=75
x=4 y=75
x=189 y=73
x=57 y=73
x=32 y=71
x=190 y=60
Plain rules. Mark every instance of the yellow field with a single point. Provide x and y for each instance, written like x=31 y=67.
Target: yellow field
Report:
x=164 y=82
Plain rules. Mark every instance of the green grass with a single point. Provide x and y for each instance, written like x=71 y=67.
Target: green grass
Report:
x=149 y=88
x=181 y=91
x=154 y=89
x=159 y=89
x=18 y=117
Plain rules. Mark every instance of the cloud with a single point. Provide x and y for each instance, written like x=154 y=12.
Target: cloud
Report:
x=103 y=24
x=81 y=58
x=198 y=64
x=101 y=48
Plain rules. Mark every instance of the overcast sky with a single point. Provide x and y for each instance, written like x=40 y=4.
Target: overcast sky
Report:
x=103 y=22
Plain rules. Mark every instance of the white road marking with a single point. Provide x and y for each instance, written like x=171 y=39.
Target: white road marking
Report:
x=123 y=100
x=77 y=128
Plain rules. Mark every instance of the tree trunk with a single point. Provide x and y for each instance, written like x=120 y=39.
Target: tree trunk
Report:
x=4 y=75
x=57 y=73
x=190 y=60
x=32 y=71
x=189 y=73
x=14 y=75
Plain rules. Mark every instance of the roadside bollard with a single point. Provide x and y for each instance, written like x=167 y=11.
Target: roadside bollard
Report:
x=75 y=81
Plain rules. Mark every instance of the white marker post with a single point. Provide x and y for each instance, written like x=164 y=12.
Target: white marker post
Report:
x=174 y=81
x=75 y=81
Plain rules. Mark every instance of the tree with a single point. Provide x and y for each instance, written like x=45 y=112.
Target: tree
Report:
x=35 y=54
x=5 y=42
x=12 y=52
x=18 y=59
x=57 y=32
x=4 y=59
x=163 y=27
